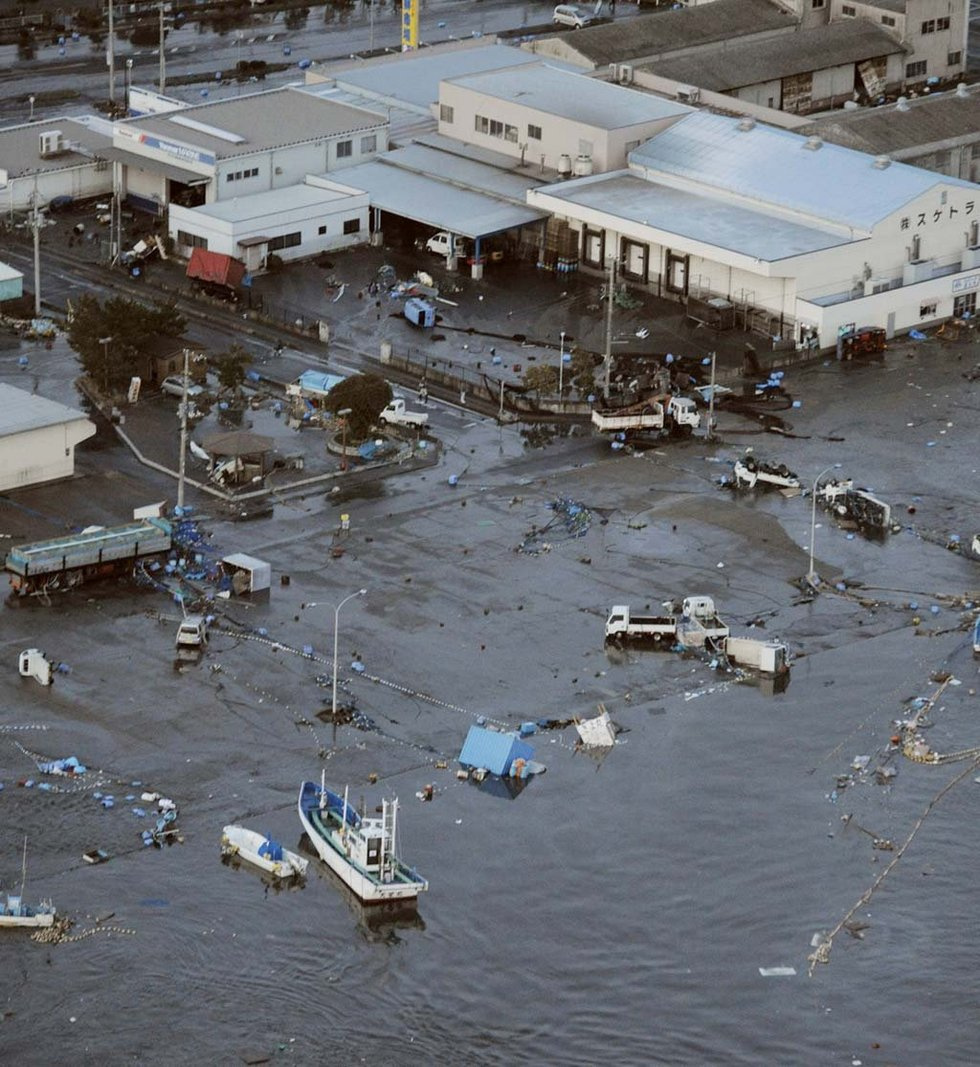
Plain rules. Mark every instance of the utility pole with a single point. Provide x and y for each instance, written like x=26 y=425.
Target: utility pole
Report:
x=111 y=56
x=500 y=415
x=36 y=230
x=182 y=464
x=371 y=38
x=711 y=401
x=163 y=61
x=607 y=359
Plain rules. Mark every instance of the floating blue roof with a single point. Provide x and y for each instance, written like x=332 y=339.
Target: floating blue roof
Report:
x=829 y=182
x=318 y=381
x=493 y=750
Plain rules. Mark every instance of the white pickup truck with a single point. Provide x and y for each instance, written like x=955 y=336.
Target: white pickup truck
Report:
x=750 y=472
x=680 y=413
x=398 y=415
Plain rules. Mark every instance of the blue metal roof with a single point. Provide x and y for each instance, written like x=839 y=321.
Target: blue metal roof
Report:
x=773 y=166
x=493 y=750
x=318 y=381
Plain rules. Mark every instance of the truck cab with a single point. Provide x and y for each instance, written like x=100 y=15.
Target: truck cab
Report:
x=447 y=244
x=192 y=632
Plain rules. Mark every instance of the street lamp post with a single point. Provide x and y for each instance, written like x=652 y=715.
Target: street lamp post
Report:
x=561 y=371
x=30 y=100
x=342 y=414
x=129 y=82
x=811 y=575
x=336 y=630
x=105 y=342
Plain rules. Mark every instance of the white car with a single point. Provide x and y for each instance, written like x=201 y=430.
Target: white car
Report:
x=570 y=15
x=174 y=386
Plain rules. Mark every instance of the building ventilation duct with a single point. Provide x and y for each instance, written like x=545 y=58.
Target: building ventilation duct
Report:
x=813 y=144
x=881 y=163
x=746 y=124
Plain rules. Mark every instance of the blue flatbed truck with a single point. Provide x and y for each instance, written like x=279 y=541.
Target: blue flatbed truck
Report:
x=96 y=553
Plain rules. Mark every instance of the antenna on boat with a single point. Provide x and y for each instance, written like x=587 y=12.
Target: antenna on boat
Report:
x=323 y=788
x=343 y=821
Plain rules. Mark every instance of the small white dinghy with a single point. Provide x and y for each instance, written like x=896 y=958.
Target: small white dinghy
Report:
x=262 y=851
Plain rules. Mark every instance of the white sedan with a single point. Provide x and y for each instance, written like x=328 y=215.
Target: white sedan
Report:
x=174 y=386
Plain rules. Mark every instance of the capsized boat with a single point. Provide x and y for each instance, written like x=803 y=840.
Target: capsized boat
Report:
x=261 y=850
x=362 y=852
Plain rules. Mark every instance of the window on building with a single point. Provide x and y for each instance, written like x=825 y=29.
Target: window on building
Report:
x=929 y=26
x=965 y=305
x=286 y=240
x=352 y=225
x=973 y=236
x=321 y=231
x=496 y=128
x=888 y=20
x=510 y=134
x=817 y=3
x=915 y=249
x=345 y=149
x=954 y=59
x=915 y=70
x=369 y=144
x=445 y=113
x=191 y=240
x=927 y=311
x=942 y=24
x=481 y=124
x=848 y=10
x=533 y=132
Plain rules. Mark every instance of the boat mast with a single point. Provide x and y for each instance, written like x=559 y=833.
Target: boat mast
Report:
x=23 y=869
x=323 y=788
x=343 y=822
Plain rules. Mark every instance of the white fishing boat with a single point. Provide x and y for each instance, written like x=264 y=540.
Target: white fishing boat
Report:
x=262 y=851
x=15 y=913
x=362 y=852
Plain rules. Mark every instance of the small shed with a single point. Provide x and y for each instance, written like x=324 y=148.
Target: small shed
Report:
x=248 y=574
x=163 y=356
x=494 y=750
x=239 y=456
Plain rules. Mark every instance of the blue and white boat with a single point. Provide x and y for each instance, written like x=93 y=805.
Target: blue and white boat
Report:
x=362 y=852
x=15 y=913
x=262 y=851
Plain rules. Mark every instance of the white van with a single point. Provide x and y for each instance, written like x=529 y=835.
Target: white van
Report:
x=570 y=15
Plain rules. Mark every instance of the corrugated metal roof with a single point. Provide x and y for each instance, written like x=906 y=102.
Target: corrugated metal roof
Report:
x=269 y=119
x=436 y=202
x=928 y=120
x=572 y=96
x=413 y=78
x=773 y=166
x=671 y=31
x=462 y=171
x=21 y=411
x=403 y=122
x=698 y=217
x=492 y=750
x=747 y=62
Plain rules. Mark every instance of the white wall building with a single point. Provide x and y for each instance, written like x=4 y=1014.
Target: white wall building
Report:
x=57 y=157
x=552 y=118
x=239 y=146
x=294 y=223
x=37 y=438
x=803 y=237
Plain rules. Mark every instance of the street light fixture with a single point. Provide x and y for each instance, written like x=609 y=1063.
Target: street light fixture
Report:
x=336 y=625
x=30 y=100
x=342 y=414
x=811 y=575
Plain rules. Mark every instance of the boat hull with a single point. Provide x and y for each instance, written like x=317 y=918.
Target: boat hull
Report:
x=26 y=921
x=245 y=844
x=369 y=890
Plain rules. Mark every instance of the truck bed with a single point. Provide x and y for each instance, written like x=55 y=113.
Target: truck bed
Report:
x=142 y=538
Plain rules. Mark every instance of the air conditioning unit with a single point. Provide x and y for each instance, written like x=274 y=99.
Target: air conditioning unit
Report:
x=688 y=94
x=51 y=143
x=625 y=74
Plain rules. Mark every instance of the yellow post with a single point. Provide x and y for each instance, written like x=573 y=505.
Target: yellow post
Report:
x=410 y=25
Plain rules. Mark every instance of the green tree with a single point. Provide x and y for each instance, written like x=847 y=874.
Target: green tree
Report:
x=542 y=378
x=366 y=395
x=583 y=371
x=109 y=337
x=231 y=367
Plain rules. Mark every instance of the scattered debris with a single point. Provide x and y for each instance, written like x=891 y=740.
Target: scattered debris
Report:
x=598 y=732
x=34 y=664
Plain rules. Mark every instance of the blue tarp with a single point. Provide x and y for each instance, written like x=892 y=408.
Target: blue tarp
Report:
x=493 y=750
x=271 y=850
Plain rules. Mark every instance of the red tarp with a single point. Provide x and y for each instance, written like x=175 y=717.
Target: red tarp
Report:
x=215 y=267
